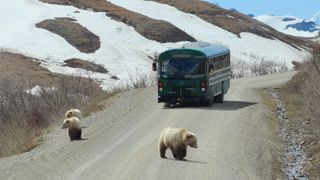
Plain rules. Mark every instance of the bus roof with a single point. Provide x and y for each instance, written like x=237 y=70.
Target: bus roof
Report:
x=212 y=50
x=209 y=50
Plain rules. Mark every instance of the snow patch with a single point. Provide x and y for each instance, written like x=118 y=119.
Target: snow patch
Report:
x=316 y=18
x=201 y=30
x=124 y=52
x=36 y=90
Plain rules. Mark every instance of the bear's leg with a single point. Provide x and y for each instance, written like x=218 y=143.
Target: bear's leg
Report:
x=180 y=152
x=78 y=134
x=163 y=149
x=173 y=153
x=74 y=134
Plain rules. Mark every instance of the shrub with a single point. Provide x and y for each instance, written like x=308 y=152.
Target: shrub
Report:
x=23 y=116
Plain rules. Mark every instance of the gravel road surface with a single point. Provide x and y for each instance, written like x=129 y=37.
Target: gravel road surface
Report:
x=234 y=140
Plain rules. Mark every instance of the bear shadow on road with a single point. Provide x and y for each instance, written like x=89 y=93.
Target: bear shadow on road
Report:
x=82 y=139
x=187 y=161
x=225 y=106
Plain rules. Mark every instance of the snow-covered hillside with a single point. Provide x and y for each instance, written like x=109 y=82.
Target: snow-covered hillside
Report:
x=123 y=51
x=291 y=25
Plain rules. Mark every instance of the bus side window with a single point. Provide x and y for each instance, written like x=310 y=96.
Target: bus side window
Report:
x=223 y=61
x=216 y=63
x=211 y=68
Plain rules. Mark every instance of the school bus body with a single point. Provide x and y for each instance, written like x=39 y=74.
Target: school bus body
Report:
x=194 y=74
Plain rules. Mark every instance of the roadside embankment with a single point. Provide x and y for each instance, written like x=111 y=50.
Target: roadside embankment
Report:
x=302 y=98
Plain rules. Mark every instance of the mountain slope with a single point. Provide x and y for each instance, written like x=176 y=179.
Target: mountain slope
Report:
x=291 y=25
x=231 y=21
x=126 y=46
x=248 y=46
x=140 y=23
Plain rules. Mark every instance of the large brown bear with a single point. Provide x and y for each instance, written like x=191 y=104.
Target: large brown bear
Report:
x=74 y=129
x=177 y=139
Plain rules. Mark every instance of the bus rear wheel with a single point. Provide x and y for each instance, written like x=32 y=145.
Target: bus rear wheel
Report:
x=209 y=102
x=220 y=98
x=166 y=104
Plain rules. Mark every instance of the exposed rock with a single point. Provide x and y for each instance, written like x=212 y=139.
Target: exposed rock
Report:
x=153 y=29
x=75 y=34
x=87 y=65
x=114 y=77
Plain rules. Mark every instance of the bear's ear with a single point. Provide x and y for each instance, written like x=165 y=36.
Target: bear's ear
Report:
x=189 y=136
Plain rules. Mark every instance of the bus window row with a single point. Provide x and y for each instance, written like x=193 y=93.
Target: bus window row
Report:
x=217 y=63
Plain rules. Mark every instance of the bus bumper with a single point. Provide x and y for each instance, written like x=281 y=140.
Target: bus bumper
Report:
x=174 y=100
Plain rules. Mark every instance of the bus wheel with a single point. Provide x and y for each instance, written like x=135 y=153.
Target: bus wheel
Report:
x=209 y=102
x=220 y=97
x=166 y=104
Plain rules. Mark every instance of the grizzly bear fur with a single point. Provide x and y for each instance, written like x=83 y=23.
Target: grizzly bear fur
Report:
x=73 y=113
x=177 y=139
x=74 y=129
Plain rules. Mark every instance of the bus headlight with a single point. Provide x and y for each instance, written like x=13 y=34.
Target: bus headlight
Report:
x=160 y=89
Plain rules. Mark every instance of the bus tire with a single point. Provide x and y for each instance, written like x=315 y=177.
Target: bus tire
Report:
x=166 y=104
x=220 y=97
x=209 y=102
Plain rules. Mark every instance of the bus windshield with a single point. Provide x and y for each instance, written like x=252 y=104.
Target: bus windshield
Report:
x=182 y=68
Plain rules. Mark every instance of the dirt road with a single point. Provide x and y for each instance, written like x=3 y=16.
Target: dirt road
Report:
x=235 y=140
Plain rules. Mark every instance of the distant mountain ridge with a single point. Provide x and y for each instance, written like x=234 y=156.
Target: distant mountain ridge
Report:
x=291 y=25
x=316 y=18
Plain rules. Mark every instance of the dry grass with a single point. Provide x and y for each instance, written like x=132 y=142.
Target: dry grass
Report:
x=302 y=97
x=87 y=65
x=274 y=126
x=96 y=103
x=258 y=66
x=24 y=117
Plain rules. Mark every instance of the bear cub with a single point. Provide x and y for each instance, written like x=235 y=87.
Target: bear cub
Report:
x=73 y=113
x=74 y=129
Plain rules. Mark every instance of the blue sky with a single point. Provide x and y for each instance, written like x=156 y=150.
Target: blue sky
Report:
x=301 y=8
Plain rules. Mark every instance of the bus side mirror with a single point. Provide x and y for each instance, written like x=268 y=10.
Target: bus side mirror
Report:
x=154 y=66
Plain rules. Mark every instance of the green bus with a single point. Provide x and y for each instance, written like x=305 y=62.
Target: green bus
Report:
x=196 y=72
